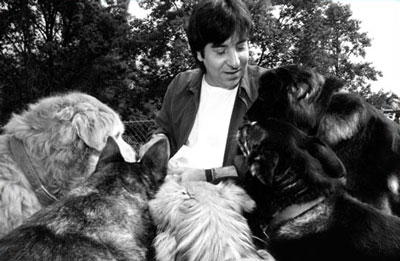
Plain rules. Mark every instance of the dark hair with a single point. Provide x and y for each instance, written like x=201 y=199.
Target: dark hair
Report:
x=214 y=21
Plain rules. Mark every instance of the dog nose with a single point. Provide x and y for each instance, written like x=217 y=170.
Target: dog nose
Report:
x=241 y=140
x=242 y=135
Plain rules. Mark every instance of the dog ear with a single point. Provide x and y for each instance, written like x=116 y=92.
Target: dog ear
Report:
x=330 y=162
x=333 y=83
x=270 y=90
x=156 y=157
x=110 y=153
x=92 y=128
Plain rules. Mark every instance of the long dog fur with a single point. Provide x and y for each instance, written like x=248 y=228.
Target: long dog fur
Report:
x=63 y=136
x=364 y=139
x=106 y=218
x=201 y=221
x=304 y=223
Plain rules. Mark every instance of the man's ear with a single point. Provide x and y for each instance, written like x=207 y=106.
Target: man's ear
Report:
x=110 y=153
x=199 y=56
x=330 y=162
x=156 y=157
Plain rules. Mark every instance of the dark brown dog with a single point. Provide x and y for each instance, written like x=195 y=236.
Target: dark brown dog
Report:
x=107 y=218
x=304 y=221
x=364 y=139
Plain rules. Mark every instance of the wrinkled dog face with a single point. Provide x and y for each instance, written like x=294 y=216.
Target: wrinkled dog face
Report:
x=295 y=94
x=261 y=161
x=66 y=133
x=293 y=166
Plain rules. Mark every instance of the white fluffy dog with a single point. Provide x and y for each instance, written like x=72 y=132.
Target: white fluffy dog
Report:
x=51 y=148
x=201 y=221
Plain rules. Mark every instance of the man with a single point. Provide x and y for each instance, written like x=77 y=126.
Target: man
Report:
x=203 y=108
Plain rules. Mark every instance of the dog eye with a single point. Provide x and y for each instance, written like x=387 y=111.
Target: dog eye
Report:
x=118 y=135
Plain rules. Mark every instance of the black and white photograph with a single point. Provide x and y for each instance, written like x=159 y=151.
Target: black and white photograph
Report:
x=199 y=130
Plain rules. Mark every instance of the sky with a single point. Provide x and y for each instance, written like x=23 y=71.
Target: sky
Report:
x=380 y=19
x=135 y=10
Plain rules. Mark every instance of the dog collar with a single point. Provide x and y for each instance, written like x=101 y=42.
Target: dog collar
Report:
x=294 y=211
x=24 y=161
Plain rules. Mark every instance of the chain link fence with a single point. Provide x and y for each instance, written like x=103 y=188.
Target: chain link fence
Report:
x=137 y=132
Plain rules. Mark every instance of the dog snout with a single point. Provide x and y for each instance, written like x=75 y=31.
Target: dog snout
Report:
x=250 y=135
x=243 y=137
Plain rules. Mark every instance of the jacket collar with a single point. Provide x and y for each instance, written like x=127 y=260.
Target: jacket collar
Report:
x=245 y=92
x=249 y=94
x=195 y=82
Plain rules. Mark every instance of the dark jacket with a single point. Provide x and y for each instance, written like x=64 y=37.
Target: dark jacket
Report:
x=181 y=102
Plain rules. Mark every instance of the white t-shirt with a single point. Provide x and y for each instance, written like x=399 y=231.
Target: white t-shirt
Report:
x=207 y=140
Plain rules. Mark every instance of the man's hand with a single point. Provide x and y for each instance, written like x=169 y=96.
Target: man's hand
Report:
x=183 y=174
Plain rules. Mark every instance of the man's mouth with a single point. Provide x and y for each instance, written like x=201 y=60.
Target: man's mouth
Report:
x=233 y=72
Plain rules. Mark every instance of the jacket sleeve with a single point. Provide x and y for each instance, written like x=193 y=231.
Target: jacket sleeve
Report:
x=163 y=118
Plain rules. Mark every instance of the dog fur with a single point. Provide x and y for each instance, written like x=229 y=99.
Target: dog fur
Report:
x=335 y=226
x=63 y=136
x=106 y=218
x=364 y=139
x=201 y=221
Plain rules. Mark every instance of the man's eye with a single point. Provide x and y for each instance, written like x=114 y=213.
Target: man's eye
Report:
x=241 y=47
x=220 y=51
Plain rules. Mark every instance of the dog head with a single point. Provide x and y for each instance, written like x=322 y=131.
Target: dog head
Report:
x=144 y=176
x=174 y=198
x=294 y=167
x=293 y=93
x=202 y=221
x=64 y=135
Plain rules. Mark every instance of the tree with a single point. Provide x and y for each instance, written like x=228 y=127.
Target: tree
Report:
x=321 y=34
x=166 y=52
x=316 y=33
x=50 y=46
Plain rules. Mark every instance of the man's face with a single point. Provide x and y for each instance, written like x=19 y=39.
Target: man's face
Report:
x=225 y=63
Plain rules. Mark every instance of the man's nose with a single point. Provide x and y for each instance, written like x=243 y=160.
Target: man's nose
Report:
x=233 y=59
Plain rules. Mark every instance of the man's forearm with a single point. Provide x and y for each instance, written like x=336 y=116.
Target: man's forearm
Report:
x=222 y=172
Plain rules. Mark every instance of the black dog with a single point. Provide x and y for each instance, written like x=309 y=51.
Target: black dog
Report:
x=364 y=139
x=107 y=218
x=304 y=221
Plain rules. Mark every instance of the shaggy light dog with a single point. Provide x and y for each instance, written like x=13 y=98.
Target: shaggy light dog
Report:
x=201 y=221
x=61 y=138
